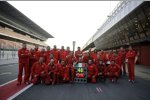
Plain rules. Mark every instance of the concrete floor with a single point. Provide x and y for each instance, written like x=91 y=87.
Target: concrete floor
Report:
x=123 y=90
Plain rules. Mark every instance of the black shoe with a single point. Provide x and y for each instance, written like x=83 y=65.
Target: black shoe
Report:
x=124 y=74
x=19 y=83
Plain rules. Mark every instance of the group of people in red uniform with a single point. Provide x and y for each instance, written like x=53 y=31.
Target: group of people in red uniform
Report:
x=53 y=66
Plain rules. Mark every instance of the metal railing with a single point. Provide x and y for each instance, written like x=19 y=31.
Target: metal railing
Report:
x=6 y=55
x=120 y=11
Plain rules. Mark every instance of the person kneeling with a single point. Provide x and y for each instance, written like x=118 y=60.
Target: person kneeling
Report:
x=92 y=71
x=51 y=72
x=112 y=72
x=101 y=70
x=38 y=72
x=62 y=72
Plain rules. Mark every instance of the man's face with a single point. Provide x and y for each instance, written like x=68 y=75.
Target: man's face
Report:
x=55 y=47
x=51 y=55
x=68 y=48
x=52 y=61
x=80 y=59
x=71 y=53
x=62 y=47
x=121 y=48
x=31 y=50
x=79 y=48
x=100 y=62
x=98 y=56
x=24 y=45
x=90 y=62
x=112 y=62
x=48 y=48
x=130 y=48
x=95 y=51
x=89 y=49
x=62 y=63
x=41 y=60
x=36 y=46
x=88 y=54
x=42 y=50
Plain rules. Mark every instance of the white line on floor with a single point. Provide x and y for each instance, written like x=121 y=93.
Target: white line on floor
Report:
x=18 y=93
x=8 y=82
x=6 y=73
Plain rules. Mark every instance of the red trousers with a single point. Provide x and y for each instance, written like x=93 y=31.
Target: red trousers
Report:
x=124 y=68
x=113 y=75
x=71 y=73
x=51 y=78
x=131 y=70
x=37 y=79
x=24 y=66
x=91 y=78
x=62 y=77
x=30 y=67
x=101 y=76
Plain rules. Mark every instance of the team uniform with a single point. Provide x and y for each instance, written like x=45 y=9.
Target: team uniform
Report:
x=92 y=72
x=62 y=73
x=38 y=73
x=51 y=70
x=131 y=61
x=23 y=55
x=112 y=72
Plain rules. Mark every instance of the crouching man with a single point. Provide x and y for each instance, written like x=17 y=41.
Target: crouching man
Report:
x=92 y=71
x=38 y=72
x=62 y=72
x=101 y=70
x=51 y=72
x=112 y=72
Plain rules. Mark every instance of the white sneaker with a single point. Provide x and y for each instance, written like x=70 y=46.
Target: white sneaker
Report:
x=129 y=80
x=112 y=80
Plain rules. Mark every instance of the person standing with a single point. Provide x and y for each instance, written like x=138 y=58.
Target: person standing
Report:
x=23 y=55
x=122 y=54
x=55 y=52
x=32 y=60
x=43 y=55
x=62 y=54
x=78 y=53
x=130 y=56
x=47 y=52
x=37 y=52
x=68 y=51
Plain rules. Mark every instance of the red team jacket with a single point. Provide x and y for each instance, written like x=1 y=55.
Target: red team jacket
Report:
x=55 y=53
x=77 y=53
x=23 y=55
x=112 y=69
x=62 y=55
x=131 y=55
x=37 y=68
x=37 y=54
x=92 y=70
